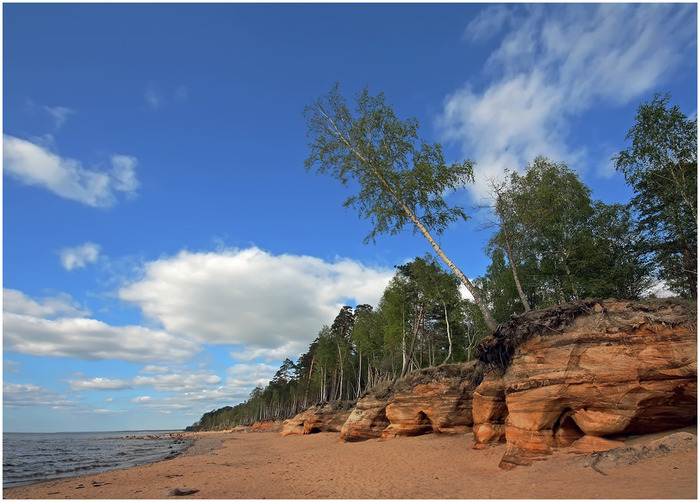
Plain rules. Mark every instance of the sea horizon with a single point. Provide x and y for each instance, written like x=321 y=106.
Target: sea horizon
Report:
x=106 y=431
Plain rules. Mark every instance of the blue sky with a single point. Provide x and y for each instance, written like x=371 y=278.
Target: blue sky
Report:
x=164 y=249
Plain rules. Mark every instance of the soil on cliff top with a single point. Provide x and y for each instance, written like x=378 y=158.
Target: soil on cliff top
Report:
x=495 y=351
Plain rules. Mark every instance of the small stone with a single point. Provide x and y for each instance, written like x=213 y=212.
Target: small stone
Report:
x=180 y=492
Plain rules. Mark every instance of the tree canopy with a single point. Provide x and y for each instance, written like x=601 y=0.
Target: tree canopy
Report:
x=402 y=180
x=661 y=167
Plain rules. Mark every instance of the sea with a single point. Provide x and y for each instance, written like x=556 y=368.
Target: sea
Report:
x=34 y=457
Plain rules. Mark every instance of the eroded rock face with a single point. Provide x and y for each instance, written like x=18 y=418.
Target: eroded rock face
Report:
x=266 y=426
x=329 y=417
x=429 y=400
x=368 y=420
x=590 y=369
x=489 y=410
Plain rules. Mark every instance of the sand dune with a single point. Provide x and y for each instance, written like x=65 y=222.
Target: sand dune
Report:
x=266 y=465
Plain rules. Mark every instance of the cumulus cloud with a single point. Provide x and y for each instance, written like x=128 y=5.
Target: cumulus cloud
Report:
x=123 y=174
x=150 y=369
x=250 y=376
x=192 y=404
x=554 y=63
x=98 y=384
x=59 y=329
x=79 y=256
x=33 y=164
x=16 y=302
x=266 y=305
x=178 y=382
x=20 y=395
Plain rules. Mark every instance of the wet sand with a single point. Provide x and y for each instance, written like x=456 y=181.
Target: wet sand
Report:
x=266 y=465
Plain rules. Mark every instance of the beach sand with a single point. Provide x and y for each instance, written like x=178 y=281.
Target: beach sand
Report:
x=266 y=465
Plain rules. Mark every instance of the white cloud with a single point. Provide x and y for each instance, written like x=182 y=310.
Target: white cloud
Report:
x=178 y=382
x=488 y=22
x=79 y=256
x=554 y=63
x=290 y=349
x=272 y=306
x=193 y=404
x=34 y=164
x=157 y=99
x=16 y=302
x=9 y=366
x=16 y=395
x=58 y=329
x=59 y=114
x=150 y=369
x=249 y=376
x=104 y=411
x=98 y=384
x=153 y=97
x=123 y=173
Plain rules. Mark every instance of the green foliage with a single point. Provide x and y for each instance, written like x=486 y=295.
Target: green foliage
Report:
x=402 y=180
x=395 y=171
x=564 y=245
x=661 y=167
x=499 y=288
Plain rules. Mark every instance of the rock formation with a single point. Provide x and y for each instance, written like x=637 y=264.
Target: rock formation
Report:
x=367 y=420
x=428 y=400
x=328 y=417
x=266 y=426
x=575 y=373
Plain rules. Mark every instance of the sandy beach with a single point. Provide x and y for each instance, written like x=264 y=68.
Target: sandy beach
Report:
x=266 y=465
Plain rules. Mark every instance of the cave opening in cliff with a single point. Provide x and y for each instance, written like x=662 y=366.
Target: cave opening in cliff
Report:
x=423 y=424
x=380 y=422
x=565 y=430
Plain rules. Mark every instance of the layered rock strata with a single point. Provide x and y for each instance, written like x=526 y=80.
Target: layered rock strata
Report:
x=328 y=417
x=429 y=400
x=267 y=426
x=578 y=372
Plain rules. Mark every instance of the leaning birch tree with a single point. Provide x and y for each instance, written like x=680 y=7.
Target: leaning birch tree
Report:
x=402 y=180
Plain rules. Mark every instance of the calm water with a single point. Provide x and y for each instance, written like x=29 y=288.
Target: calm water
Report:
x=32 y=457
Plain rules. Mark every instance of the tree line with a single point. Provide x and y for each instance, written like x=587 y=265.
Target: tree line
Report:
x=550 y=243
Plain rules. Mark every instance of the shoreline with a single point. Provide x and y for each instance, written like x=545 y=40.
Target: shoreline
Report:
x=226 y=465
x=200 y=444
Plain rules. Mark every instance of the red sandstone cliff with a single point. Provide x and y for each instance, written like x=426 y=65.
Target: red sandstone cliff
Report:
x=429 y=400
x=328 y=417
x=574 y=374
